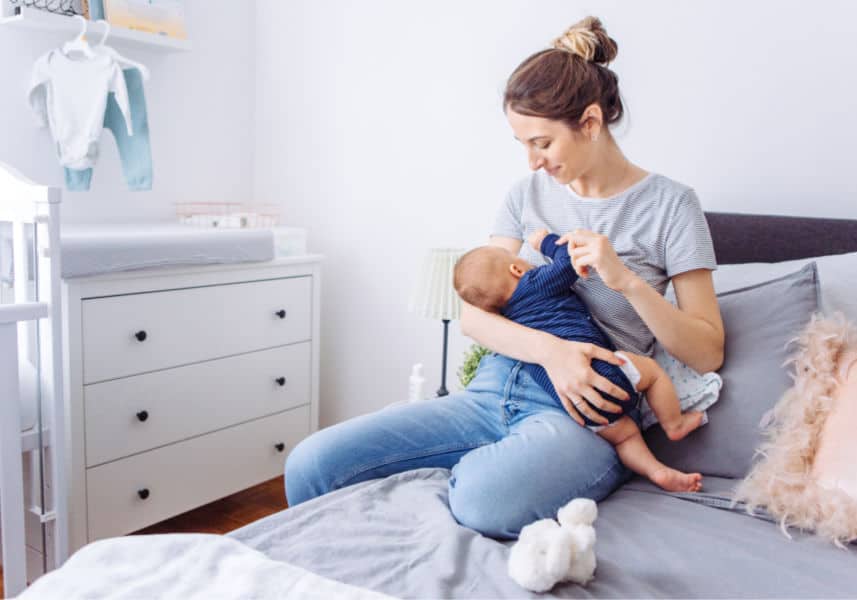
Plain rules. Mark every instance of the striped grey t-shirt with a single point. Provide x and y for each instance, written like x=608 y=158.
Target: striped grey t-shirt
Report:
x=656 y=226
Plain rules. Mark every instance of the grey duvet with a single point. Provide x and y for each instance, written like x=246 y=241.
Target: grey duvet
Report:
x=397 y=536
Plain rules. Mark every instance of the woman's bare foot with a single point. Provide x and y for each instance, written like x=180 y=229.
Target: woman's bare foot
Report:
x=676 y=481
x=687 y=423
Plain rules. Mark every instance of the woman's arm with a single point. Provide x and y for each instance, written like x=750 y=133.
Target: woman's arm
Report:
x=693 y=332
x=504 y=336
x=567 y=363
x=499 y=333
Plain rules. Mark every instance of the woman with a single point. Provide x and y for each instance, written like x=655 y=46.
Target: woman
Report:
x=515 y=456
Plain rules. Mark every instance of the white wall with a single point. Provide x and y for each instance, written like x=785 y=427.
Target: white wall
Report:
x=200 y=106
x=379 y=128
x=377 y=125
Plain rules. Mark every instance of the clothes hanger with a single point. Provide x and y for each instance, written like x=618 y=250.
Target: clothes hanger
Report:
x=144 y=71
x=106 y=31
x=79 y=44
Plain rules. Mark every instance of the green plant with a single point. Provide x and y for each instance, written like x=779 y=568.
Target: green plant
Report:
x=471 y=362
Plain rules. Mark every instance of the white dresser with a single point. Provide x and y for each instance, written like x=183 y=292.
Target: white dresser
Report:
x=185 y=385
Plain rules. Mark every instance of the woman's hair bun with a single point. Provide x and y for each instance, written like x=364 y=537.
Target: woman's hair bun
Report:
x=589 y=40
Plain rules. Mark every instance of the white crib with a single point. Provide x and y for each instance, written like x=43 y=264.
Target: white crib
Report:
x=33 y=513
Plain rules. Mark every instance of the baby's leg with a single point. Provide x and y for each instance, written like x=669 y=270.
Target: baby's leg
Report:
x=662 y=398
x=635 y=454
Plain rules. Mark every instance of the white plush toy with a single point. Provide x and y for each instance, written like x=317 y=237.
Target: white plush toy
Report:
x=548 y=552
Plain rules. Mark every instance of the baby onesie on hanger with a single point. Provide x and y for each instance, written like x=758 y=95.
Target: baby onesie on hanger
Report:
x=135 y=151
x=71 y=95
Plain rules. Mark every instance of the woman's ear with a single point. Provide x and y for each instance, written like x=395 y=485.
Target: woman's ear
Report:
x=591 y=122
x=515 y=270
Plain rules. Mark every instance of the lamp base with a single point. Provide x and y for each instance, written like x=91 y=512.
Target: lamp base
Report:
x=442 y=391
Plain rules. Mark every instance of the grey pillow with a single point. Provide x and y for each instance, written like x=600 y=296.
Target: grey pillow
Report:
x=759 y=321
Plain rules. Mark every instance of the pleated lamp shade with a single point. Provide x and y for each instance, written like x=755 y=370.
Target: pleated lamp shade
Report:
x=434 y=297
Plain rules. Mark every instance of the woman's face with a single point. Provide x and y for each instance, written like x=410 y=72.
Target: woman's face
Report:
x=551 y=145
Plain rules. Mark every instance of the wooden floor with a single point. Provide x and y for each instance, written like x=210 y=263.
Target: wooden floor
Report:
x=226 y=514
x=221 y=516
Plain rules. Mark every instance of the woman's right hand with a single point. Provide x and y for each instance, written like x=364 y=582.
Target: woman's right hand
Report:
x=569 y=368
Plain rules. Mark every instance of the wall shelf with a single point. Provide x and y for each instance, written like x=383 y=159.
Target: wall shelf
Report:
x=33 y=19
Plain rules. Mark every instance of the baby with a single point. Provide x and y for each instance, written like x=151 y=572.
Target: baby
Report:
x=496 y=280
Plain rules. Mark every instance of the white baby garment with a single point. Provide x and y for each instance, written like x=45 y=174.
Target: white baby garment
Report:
x=70 y=95
x=696 y=391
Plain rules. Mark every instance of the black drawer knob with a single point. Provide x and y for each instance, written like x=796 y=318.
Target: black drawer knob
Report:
x=142 y=415
x=280 y=447
x=141 y=336
x=281 y=313
x=144 y=493
x=280 y=381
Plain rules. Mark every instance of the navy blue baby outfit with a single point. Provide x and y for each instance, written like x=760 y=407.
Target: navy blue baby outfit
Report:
x=544 y=300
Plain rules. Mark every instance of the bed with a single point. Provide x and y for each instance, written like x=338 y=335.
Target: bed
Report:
x=396 y=536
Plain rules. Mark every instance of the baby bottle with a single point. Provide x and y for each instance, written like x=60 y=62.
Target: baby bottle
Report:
x=416 y=389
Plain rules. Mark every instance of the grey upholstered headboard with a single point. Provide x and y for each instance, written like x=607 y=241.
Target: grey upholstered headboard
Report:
x=743 y=238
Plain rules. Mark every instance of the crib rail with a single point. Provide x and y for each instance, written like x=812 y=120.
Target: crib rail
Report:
x=15 y=313
x=31 y=331
x=12 y=490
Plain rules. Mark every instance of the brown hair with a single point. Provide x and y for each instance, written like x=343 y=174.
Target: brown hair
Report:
x=470 y=272
x=559 y=83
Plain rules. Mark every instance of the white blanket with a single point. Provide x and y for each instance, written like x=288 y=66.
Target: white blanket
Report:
x=183 y=566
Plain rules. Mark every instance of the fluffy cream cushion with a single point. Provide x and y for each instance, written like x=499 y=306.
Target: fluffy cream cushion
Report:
x=834 y=465
x=806 y=476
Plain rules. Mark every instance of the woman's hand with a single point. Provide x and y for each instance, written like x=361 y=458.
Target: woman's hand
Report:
x=536 y=239
x=588 y=249
x=577 y=384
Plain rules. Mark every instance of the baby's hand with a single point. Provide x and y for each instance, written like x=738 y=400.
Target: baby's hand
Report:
x=536 y=239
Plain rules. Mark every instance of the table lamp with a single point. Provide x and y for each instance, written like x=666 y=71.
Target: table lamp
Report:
x=435 y=298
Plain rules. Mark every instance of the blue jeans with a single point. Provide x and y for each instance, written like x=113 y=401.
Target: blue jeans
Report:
x=515 y=456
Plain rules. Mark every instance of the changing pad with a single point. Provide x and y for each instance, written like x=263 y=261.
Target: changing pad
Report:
x=90 y=250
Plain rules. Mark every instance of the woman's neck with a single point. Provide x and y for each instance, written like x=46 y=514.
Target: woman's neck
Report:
x=610 y=174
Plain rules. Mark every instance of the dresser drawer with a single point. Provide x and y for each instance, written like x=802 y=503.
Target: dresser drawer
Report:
x=137 y=333
x=133 y=414
x=188 y=474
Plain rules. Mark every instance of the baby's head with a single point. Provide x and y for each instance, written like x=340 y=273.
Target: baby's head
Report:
x=486 y=277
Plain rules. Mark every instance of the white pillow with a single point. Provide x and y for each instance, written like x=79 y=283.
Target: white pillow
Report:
x=837 y=276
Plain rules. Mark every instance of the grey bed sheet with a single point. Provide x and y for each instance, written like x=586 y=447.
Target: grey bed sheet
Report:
x=397 y=536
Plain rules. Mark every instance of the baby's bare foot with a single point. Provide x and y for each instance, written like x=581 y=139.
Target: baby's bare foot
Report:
x=676 y=481
x=689 y=421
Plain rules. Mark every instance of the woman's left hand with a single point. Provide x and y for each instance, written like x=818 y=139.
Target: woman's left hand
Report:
x=592 y=250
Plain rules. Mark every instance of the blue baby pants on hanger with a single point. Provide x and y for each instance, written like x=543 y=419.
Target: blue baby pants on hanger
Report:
x=134 y=150
x=96 y=9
